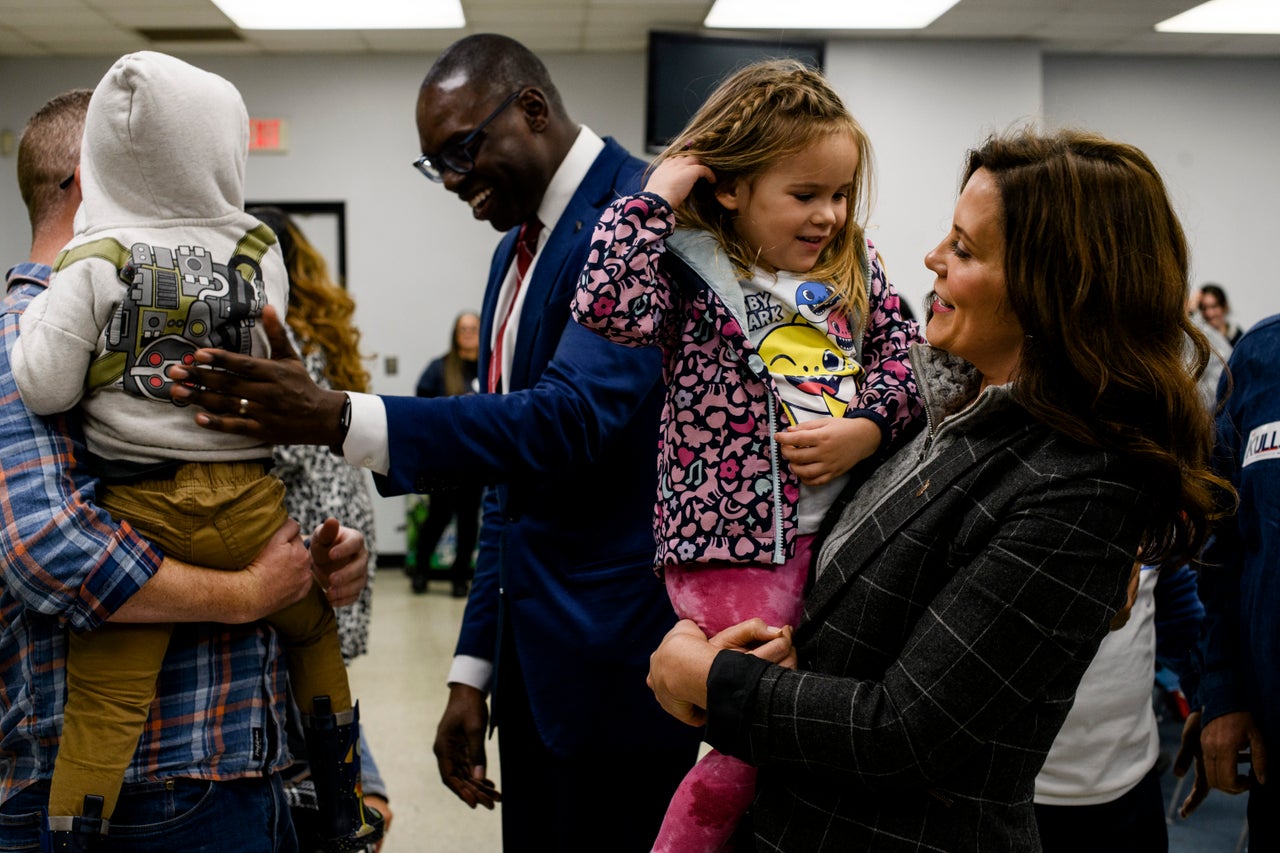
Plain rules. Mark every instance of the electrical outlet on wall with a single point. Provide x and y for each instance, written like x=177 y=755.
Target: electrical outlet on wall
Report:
x=391 y=365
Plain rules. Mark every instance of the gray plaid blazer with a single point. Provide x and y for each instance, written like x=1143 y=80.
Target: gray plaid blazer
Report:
x=941 y=645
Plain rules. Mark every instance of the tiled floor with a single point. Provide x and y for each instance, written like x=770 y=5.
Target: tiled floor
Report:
x=1216 y=827
x=401 y=687
x=402 y=693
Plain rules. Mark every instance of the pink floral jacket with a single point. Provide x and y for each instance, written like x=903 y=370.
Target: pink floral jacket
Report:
x=725 y=494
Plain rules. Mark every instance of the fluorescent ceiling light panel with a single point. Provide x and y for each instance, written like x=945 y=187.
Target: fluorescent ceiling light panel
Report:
x=343 y=14
x=826 y=14
x=1226 y=16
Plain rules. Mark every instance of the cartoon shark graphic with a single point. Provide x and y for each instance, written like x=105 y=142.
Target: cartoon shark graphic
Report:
x=808 y=360
x=815 y=302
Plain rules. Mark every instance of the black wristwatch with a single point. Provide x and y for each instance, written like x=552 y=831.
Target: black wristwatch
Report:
x=344 y=425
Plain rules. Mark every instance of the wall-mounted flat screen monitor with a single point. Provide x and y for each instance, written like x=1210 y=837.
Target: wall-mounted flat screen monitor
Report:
x=685 y=67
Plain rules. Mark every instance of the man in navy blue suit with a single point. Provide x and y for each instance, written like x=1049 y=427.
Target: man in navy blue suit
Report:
x=565 y=608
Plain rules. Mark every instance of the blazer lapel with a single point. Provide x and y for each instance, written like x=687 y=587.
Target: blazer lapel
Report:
x=543 y=295
x=540 y=292
x=904 y=504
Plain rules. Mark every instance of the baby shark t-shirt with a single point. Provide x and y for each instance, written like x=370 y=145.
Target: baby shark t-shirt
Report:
x=808 y=346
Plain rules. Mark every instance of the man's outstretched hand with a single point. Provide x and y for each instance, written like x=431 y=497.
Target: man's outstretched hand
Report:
x=271 y=399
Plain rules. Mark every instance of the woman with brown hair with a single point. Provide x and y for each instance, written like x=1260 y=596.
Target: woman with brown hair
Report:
x=964 y=585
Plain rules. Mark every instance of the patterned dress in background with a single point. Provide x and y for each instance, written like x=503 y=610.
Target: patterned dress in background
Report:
x=320 y=484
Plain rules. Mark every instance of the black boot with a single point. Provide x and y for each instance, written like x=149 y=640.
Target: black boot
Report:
x=333 y=750
x=76 y=834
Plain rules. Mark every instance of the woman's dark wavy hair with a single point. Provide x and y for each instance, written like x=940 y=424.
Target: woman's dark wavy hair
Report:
x=1096 y=264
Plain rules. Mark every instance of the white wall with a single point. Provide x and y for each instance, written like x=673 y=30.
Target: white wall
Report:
x=415 y=258
x=924 y=105
x=1212 y=127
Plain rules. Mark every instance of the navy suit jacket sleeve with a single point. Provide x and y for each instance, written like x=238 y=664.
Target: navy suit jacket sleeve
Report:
x=587 y=395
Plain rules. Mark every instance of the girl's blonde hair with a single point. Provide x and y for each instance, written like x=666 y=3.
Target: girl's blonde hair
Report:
x=757 y=116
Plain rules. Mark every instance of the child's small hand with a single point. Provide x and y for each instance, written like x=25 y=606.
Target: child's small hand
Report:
x=674 y=178
x=823 y=449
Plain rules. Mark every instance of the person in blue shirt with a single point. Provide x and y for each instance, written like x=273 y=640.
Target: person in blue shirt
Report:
x=1239 y=681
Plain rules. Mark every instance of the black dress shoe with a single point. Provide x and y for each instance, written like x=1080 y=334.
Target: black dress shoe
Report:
x=460 y=589
x=419 y=581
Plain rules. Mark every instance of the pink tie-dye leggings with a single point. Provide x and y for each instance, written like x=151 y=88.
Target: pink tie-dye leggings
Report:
x=715 y=794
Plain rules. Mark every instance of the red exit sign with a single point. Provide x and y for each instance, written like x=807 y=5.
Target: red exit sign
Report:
x=268 y=135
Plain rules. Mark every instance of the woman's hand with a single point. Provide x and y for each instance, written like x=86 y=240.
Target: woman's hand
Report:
x=678 y=669
x=678 y=672
x=675 y=177
x=758 y=639
x=825 y=448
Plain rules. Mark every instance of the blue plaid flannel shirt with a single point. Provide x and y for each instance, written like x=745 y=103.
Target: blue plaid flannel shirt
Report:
x=219 y=708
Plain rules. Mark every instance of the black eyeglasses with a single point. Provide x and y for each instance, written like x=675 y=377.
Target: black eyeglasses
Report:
x=66 y=182
x=459 y=157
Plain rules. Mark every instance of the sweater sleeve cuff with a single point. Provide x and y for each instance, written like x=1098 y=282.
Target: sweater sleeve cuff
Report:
x=731 y=683
x=876 y=418
x=657 y=204
x=1218 y=696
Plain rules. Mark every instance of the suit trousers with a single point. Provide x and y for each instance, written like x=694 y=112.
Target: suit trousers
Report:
x=602 y=799
x=1264 y=817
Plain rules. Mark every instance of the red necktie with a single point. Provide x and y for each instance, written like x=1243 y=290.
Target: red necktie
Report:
x=526 y=248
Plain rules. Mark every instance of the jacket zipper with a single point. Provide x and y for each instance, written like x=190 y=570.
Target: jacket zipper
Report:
x=779 y=551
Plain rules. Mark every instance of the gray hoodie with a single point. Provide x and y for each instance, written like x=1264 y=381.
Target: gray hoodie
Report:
x=164 y=261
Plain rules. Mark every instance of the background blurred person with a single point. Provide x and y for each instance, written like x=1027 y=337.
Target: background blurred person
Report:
x=1216 y=311
x=452 y=374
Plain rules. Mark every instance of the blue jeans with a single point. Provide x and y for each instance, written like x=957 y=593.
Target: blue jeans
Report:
x=192 y=815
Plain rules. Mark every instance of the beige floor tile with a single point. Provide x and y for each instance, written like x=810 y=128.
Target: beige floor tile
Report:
x=400 y=685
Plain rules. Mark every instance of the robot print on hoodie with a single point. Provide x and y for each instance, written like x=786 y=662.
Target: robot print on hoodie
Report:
x=179 y=301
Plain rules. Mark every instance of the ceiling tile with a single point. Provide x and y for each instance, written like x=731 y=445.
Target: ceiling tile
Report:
x=327 y=41
x=158 y=16
x=47 y=27
x=411 y=41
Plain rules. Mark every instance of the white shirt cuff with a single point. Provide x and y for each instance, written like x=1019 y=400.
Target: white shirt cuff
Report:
x=471 y=671
x=366 y=444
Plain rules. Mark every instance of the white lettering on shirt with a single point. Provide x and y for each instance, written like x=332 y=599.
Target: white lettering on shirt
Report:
x=1263 y=444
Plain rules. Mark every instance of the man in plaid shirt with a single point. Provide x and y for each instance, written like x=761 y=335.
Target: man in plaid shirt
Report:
x=205 y=774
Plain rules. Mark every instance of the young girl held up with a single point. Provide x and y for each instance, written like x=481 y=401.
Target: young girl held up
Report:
x=785 y=359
